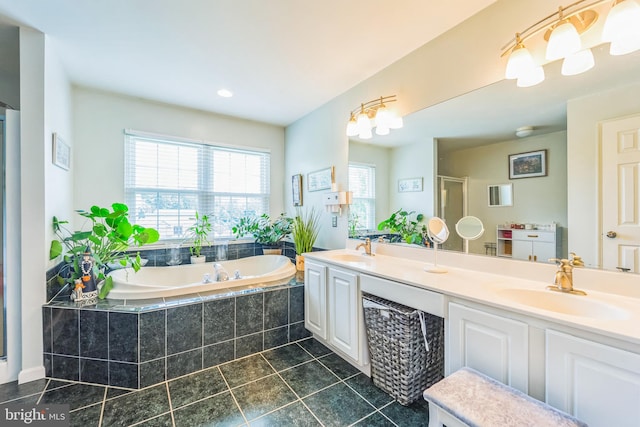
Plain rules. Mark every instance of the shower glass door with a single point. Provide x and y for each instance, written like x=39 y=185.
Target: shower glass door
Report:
x=452 y=205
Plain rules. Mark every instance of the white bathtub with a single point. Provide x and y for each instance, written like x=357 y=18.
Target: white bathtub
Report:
x=156 y=282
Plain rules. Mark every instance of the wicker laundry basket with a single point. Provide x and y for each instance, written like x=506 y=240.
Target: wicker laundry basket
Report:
x=401 y=365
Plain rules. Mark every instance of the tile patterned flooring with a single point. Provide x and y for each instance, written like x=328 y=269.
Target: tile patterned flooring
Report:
x=299 y=384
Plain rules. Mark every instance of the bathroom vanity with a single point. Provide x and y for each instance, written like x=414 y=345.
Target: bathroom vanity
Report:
x=580 y=354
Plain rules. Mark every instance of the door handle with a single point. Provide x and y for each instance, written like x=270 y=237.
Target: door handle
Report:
x=612 y=234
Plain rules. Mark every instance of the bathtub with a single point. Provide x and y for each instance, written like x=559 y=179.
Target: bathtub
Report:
x=157 y=282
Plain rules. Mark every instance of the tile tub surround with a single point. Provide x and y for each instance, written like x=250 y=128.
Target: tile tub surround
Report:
x=135 y=344
x=301 y=383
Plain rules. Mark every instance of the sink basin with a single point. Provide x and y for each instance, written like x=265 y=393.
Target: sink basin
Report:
x=574 y=305
x=352 y=258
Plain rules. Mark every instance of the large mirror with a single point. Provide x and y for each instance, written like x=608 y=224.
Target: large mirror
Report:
x=471 y=138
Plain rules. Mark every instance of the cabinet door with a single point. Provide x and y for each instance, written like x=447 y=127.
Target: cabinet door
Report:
x=491 y=344
x=596 y=383
x=543 y=251
x=315 y=298
x=521 y=249
x=343 y=311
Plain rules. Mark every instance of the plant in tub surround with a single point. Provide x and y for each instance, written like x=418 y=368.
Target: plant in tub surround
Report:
x=199 y=232
x=265 y=231
x=110 y=236
x=411 y=231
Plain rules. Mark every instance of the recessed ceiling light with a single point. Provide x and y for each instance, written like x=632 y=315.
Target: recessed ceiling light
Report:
x=225 y=93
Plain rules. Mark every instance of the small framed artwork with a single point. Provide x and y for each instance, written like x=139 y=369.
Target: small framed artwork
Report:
x=407 y=185
x=320 y=180
x=61 y=153
x=528 y=165
x=296 y=188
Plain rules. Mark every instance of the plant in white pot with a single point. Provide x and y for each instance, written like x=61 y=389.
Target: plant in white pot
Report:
x=199 y=232
x=267 y=233
x=304 y=233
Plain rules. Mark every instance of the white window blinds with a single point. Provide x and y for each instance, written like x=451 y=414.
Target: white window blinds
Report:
x=166 y=181
x=362 y=184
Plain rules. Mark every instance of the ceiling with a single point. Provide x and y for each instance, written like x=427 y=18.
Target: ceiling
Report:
x=281 y=58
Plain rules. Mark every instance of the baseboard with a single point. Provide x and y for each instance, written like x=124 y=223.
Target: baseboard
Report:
x=31 y=374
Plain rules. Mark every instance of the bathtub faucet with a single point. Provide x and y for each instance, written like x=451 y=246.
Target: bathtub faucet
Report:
x=221 y=273
x=206 y=278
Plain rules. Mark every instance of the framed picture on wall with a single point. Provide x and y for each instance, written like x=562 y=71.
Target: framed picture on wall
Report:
x=528 y=165
x=407 y=185
x=320 y=180
x=61 y=153
x=296 y=188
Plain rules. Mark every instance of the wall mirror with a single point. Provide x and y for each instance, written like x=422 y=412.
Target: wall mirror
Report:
x=500 y=195
x=472 y=136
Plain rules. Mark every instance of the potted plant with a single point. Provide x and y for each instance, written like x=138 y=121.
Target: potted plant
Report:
x=410 y=231
x=266 y=232
x=304 y=233
x=199 y=231
x=110 y=236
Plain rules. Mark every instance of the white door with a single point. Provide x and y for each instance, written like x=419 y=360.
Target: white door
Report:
x=315 y=298
x=494 y=345
x=620 y=193
x=343 y=312
x=597 y=383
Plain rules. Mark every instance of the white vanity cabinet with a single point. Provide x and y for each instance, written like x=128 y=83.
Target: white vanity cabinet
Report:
x=597 y=383
x=333 y=310
x=494 y=345
x=536 y=245
x=315 y=298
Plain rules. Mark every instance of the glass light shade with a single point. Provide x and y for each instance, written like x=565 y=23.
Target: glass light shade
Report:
x=352 y=128
x=520 y=62
x=622 y=47
x=383 y=117
x=564 y=41
x=578 y=63
x=364 y=126
x=622 y=22
x=382 y=130
x=532 y=78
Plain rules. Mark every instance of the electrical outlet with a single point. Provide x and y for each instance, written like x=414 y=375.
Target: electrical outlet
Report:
x=334 y=221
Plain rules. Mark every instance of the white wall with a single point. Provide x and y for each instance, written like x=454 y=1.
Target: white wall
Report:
x=583 y=153
x=461 y=60
x=100 y=119
x=539 y=200
x=380 y=157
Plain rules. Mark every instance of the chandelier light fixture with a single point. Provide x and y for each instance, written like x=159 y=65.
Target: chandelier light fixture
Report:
x=372 y=114
x=563 y=29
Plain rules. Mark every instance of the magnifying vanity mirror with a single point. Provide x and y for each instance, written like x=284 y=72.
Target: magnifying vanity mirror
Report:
x=500 y=195
x=438 y=232
x=469 y=228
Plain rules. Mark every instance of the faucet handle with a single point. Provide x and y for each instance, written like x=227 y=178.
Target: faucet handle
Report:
x=576 y=260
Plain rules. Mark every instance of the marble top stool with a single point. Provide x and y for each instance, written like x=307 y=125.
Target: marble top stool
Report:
x=469 y=398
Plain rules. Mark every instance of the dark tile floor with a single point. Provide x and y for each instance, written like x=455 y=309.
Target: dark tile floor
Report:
x=300 y=384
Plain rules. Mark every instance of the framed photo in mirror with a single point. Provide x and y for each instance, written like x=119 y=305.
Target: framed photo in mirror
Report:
x=528 y=165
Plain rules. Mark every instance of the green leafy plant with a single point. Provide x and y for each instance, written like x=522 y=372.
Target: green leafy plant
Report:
x=354 y=224
x=199 y=231
x=305 y=230
x=265 y=231
x=410 y=230
x=111 y=235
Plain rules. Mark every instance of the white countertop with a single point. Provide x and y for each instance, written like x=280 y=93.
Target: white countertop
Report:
x=609 y=314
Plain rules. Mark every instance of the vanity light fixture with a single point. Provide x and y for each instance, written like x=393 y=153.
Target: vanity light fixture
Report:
x=372 y=114
x=563 y=29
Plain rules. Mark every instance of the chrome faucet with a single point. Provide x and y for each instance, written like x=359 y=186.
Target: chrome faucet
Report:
x=563 y=281
x=367 y=247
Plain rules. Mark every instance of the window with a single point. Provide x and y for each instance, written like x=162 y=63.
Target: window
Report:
x=166 y=181
x=362 y=184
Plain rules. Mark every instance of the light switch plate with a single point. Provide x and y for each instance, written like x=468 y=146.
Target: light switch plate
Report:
x=334 y=221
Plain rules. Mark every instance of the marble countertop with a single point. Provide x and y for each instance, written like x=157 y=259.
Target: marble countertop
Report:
x=610 y=314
